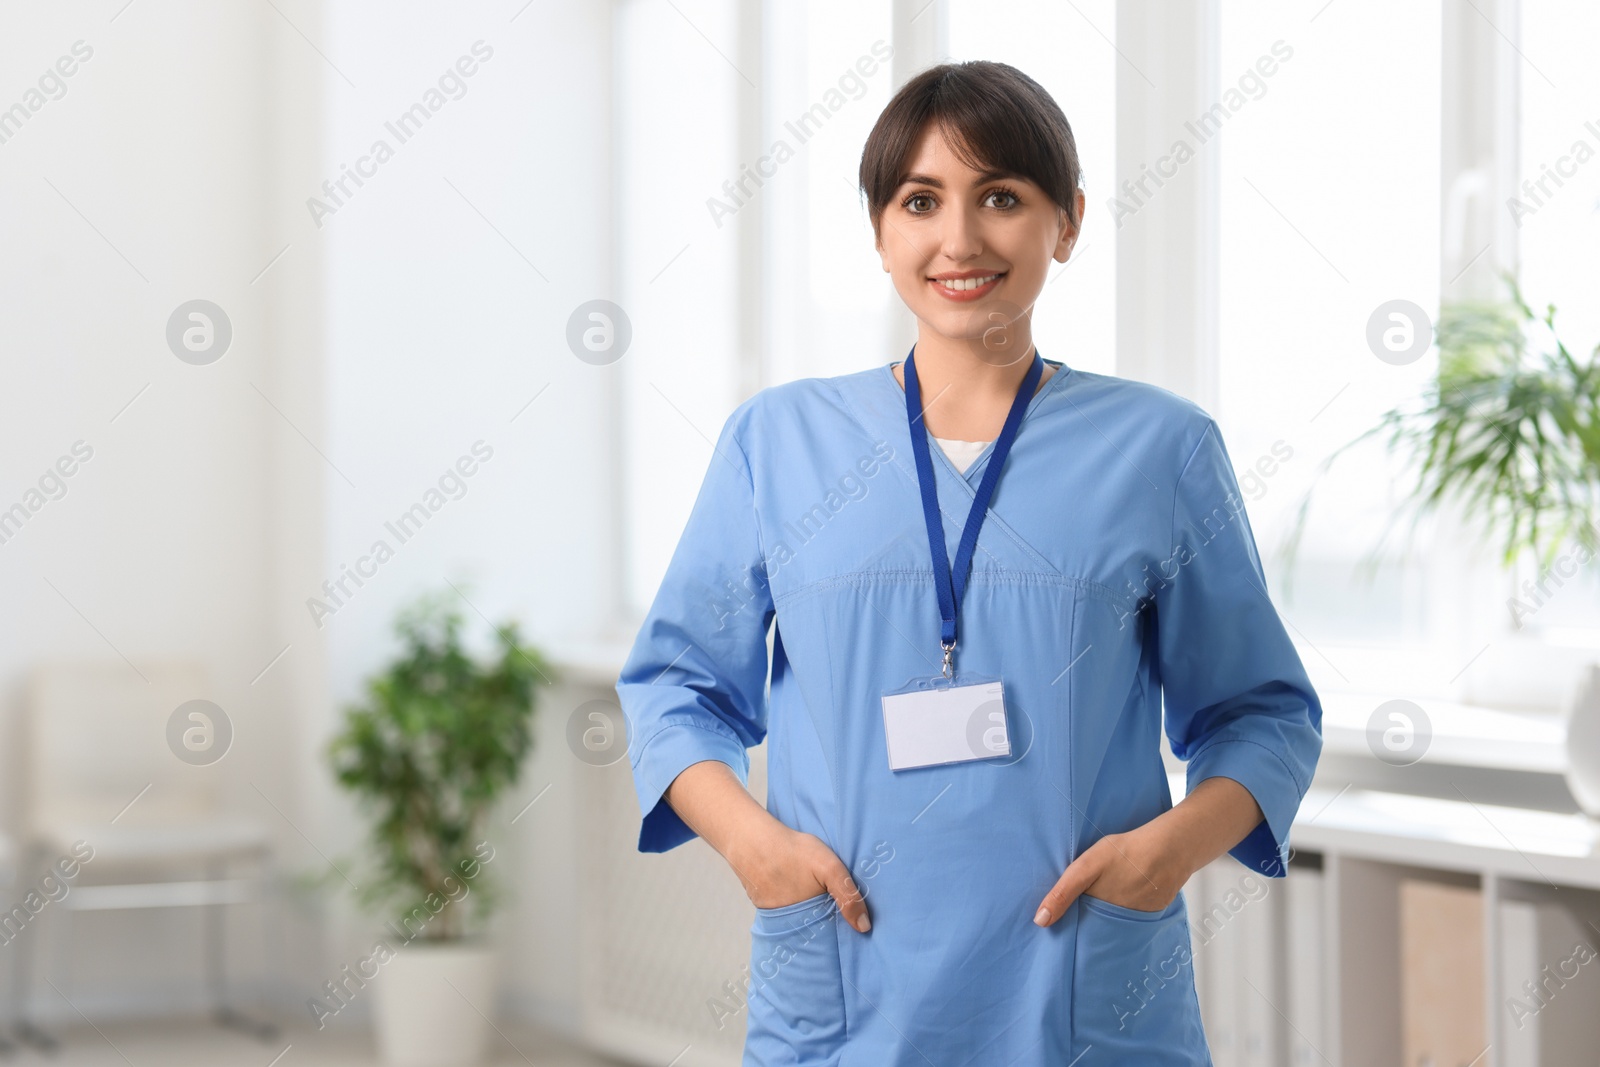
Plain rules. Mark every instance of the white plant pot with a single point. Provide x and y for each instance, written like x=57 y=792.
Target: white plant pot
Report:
x=430 y=1004
x=1583 y=741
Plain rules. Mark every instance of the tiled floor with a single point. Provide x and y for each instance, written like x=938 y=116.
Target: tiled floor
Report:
x=200 y=1044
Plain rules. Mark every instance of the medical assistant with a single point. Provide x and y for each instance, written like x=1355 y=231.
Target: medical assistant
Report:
x=1115 y=566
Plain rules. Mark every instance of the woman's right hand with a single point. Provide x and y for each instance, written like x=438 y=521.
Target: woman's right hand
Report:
x=779 y=866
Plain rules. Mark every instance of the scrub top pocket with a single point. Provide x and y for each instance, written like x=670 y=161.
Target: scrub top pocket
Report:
x=1118 y=910
x=796 y=986
x=1134 y=996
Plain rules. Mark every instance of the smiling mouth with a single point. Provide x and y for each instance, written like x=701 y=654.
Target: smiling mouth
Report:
x=967 y=288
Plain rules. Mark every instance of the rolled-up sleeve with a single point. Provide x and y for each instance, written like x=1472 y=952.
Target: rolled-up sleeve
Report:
x=693 y=687
x=1238 y=702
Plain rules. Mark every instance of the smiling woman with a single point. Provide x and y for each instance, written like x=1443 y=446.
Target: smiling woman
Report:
x=1032 y=914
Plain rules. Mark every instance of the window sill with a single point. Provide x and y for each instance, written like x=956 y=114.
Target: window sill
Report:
x=1449 y=834
x=1463 y=735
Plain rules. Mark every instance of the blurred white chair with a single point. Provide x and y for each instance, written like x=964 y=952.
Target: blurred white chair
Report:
x=101 y=771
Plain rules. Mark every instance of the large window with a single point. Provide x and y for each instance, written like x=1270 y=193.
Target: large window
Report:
x=681 y=79
x=1330 y=207
x=746 y=256
x=829 y=304
x=1558 y=230
x=1336 y=198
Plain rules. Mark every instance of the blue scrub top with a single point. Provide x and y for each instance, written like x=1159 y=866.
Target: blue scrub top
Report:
x=1115 y=571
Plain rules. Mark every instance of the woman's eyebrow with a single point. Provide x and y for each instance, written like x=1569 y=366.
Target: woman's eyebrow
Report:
x=926 y=179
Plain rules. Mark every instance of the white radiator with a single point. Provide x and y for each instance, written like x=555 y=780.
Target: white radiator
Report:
x=666 y=943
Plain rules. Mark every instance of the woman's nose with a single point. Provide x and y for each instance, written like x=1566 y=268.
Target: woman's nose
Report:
x=960 y=236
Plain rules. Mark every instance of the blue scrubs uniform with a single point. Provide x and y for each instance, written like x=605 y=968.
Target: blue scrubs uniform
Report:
x=1115 y=568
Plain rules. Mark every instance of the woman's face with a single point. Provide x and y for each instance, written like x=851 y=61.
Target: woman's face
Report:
x=969 y=251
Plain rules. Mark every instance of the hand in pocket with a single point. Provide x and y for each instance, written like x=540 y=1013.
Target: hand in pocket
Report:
x=785 y=866
x=1137 y=870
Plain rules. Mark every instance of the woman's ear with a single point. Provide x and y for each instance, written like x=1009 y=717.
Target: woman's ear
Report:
x=1069 y=233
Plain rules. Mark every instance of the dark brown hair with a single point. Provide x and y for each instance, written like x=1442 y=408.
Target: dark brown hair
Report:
x=994 y=115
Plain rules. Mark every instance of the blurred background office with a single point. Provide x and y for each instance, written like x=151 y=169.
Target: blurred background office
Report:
x=310 y=310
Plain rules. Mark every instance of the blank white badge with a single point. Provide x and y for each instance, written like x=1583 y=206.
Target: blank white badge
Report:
x=945 y=724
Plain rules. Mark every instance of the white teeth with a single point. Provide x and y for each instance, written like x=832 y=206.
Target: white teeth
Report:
x=967 y=283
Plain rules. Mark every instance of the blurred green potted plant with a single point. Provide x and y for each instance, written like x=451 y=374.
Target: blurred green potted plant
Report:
x=1515 y=437
x=437 y=740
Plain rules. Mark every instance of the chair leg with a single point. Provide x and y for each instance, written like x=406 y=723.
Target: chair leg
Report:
x=216 y=939
x=23 y=1027
x=14 y=973
x=21 y=976
x=271 y=915
x=212 y=945
x=27 y=1033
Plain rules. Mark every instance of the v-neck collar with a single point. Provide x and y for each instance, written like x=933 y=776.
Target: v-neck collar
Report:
x=975 y=468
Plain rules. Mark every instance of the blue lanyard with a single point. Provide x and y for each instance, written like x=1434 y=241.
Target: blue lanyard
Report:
x=950 y=593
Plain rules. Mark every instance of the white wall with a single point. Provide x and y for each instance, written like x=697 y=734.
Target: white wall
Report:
x=443 y=323
x=375 y=350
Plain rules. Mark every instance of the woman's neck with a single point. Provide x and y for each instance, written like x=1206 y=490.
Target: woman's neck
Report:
x=964 y=397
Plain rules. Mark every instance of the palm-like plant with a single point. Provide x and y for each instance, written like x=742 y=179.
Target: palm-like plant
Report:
x=1514 y=437
x=436 y=742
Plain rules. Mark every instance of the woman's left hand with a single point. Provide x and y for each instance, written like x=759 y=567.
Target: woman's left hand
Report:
x=1140 y=869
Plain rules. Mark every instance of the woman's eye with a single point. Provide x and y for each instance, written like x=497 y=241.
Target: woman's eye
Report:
x=922 y=203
